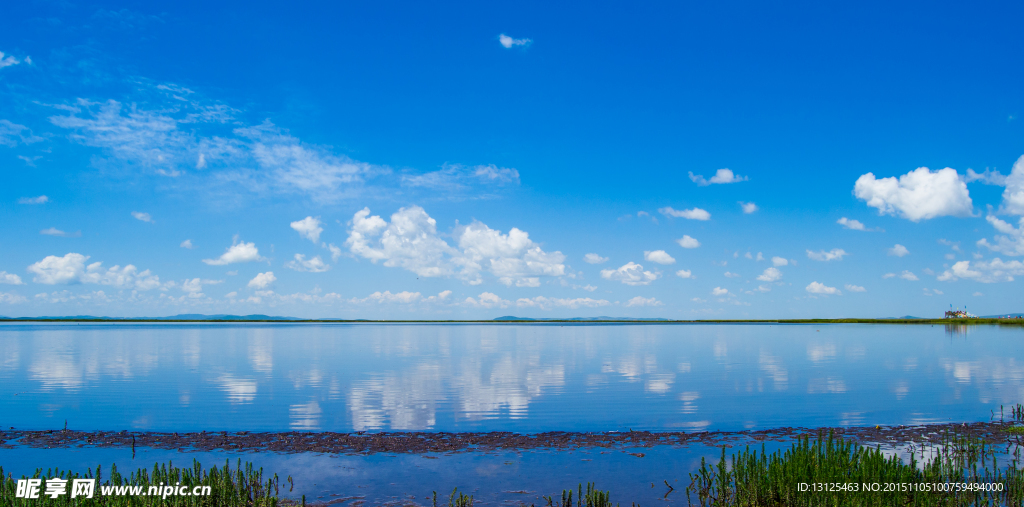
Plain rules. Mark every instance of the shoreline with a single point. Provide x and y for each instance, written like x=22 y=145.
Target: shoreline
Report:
x=420 y=442
x=947 y=322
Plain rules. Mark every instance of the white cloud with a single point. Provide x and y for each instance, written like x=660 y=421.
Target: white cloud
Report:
x=460 y=180
x=237 y=252
x=309 y=228
x=834 y=254
x=508 y=42
x=988 y=177
x=194 y=287
x=659 y=256
x=487 y=300
x=907 y=275
x=187 y=244
x=314 y=265
x=34 y=200
x=1013 y=195
x=721 y=176
x=748 y=207
x=692 y=214
x=335 y=251
x=641 y=301
x=729 y=274
x=976 y=294
x=684 y=273
x=1011 y=244
x=931 y=292
x=918 y=195
x=820 y=288
x=898 y=250
x=630 y=274
x=770 y=275
x=779 y=261
x=411 y=241
x=855 y=288
x=9 y=60
x=11 y=298
x=593 y=258
x=889 y=275
x=12 y=133
x=262 y=280
x=718 y=291
x=545 y=303
x=71 y=269
x=851 y=224
x=404 y=297
x=145 y=217
x=53 y=231
x=10 y=278
x=992 y=271
x=687 y=242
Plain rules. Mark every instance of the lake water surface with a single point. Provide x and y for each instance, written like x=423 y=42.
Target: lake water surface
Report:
x=511 y=377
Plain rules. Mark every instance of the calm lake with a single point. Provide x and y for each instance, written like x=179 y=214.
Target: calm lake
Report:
x=522 y=378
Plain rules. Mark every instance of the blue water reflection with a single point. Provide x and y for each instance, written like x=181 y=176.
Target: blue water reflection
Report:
x=525 y=378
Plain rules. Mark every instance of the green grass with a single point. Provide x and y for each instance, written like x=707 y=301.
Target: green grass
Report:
x=751 y=478
x=243 y=485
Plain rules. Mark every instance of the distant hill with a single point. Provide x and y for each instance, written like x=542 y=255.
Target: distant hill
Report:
x=183 y=316
x=580 y=319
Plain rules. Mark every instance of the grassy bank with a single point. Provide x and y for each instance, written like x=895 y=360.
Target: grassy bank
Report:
x=242 y=486
x=813 y=472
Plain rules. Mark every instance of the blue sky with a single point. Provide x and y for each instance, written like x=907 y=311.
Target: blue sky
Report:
x=399 y=160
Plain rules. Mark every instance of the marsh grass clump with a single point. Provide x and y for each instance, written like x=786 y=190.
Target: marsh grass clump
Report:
x=834 y=472
x=241 y=486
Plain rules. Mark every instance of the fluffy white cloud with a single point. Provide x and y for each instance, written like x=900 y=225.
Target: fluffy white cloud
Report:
x=194 y=287
x=898 y=250
x=71 y=269
x=721 y=176
x=770 y=275
x=659 y=256
x=630 y=274
x=34 y=200
x=748 y=207
x=820 y=288
x=487 y=300
x=687 y=242
x=238 y=252
x=692 y=213
x=314 y=265
x=779 y=261
x=1010 y=244
x=54 y=270
x=404 y=297
x=918 y=195
x=309 y=228
x=641 y=301
x=718 y=291
x=187 y=244
x=11 y=298
x=411 y=241
x=145 y=217
x=508 y=42
x=851 y=224
x=262 y=280
x=684 y=273
x=908 y=275
x=729 y=274
x=1013 y=195
x=10 y=278
x=992 y=271
x=593 y=258
x=855 y=288
x=545 y=303
x=821 y=255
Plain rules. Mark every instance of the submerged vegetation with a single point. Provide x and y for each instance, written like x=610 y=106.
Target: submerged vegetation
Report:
x=164 y=485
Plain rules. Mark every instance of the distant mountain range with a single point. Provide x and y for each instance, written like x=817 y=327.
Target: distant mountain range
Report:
x=183 y=316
